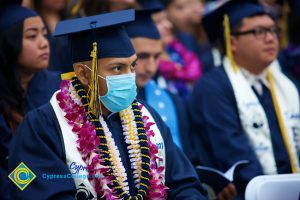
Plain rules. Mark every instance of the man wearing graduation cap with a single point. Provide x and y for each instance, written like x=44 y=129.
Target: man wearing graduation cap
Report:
x=94 y=140
x=247 y=109
x=148 y=46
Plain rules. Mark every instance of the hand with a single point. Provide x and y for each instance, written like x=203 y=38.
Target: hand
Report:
x=228 y=193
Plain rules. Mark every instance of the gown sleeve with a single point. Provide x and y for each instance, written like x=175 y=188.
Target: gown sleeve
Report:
x=38 y=145
x=5 y=139
x=181 y=178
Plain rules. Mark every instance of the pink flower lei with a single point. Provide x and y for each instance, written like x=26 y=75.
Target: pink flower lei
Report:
x=89 y=146
x=191 y=70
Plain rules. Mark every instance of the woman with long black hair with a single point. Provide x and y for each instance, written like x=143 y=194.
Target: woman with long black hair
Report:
x=24 y=81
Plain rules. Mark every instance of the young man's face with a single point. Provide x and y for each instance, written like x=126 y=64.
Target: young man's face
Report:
x=148 y=52
x=112 y=67
x=256 y=49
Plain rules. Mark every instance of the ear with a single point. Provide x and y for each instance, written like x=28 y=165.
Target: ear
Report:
x=82 y=73
x=233 y=42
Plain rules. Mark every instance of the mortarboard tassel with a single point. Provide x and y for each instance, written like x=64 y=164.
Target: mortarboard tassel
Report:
x=75 y=6
x=227 y=43
x=93 y=96
x=285 y=23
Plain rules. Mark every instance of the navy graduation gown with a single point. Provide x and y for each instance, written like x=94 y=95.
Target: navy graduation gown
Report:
x=217 y=133
x=40 y=90
x=203 y=51
x=5 y=137
x=38 y=143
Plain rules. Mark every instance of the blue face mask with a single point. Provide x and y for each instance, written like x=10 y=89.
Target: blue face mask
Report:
x=121 y=91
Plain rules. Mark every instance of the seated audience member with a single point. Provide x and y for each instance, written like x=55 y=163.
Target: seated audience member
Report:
x=245 y=110
x=24 y=81
x=148 y=46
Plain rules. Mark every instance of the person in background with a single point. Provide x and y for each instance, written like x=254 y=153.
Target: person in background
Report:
x=148 y=46
x=179 y=68
x=24 y=58
x=290 y=56
x=92 y=7
x=95 y=128
x=247 y=109
x=52 y=12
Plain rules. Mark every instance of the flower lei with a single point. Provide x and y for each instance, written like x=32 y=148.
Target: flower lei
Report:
x=99 y=152
x=184 y=64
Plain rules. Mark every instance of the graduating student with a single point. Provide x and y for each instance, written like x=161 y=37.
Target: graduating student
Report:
x=148 y=46
x=24 y=58
x=247 y=109
x=94 y=127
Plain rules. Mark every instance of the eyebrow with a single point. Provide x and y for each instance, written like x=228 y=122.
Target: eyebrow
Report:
x=119 y=63
x=34 y=29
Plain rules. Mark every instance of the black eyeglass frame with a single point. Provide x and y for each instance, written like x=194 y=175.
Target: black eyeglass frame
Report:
x=259 y=31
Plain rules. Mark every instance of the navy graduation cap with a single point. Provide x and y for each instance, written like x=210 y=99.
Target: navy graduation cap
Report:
x=105 y=29
x=11 y=12
x=154 y=5
x=236 y=11
x=143 y=26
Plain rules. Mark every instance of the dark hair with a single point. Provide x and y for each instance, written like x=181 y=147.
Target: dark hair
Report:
x=92 y=7
x=294 y=30
x=37 y=5
x=166 y=3
x=11 y=95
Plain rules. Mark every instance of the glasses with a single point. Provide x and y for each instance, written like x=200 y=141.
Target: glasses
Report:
x=260 y=33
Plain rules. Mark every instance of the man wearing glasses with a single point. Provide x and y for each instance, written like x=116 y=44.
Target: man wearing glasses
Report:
x=247 y=109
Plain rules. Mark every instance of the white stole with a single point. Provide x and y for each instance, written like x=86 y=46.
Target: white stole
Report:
x=252 y=113
x=73 y=154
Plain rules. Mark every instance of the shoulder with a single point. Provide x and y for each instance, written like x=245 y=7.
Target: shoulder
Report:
x=215 y=81
x=40 y=127
x=49 y=76
x=44 y=112
x=41 y=119
x=46 y=80
x=211 y=93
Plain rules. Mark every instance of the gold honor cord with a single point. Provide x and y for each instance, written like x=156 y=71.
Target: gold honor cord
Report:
x=76 y=7
x=284 y=23
x=229 y=55
x=281 y=122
